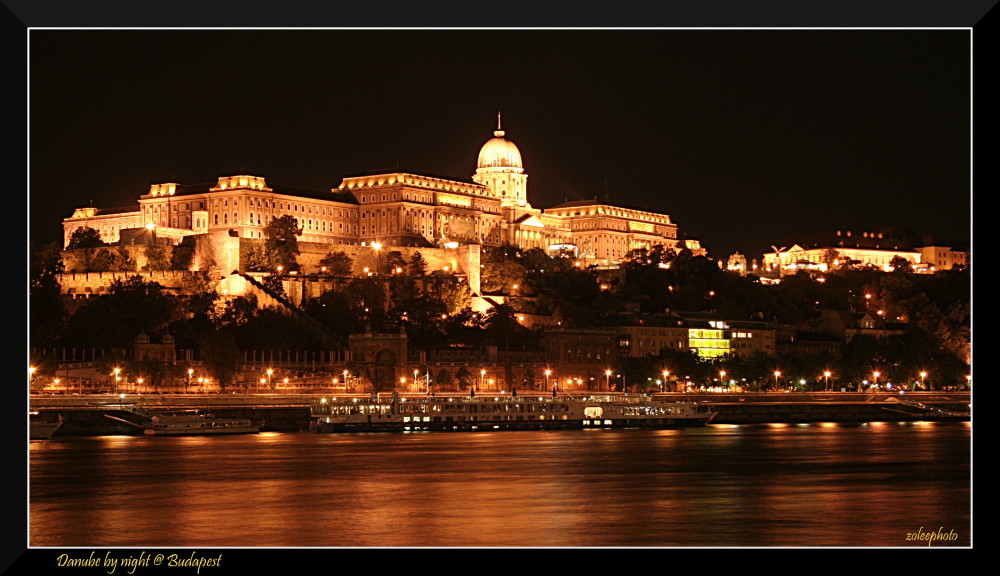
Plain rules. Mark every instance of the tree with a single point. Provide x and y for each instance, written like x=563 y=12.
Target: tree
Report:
x=418 y=264
x=338 y=263
x=464 y=377
x=254 y=257
x=85 y=237
x=502 y=269
x=200 y=292
x=281 y=242
x=157 y=258
x=900 y=265
x=221 y=356
x=181 y=255
x=109 y=259
x=829 y=257
x=392 y=261
x=131 y=306
x=444 y=380
x=48 y=314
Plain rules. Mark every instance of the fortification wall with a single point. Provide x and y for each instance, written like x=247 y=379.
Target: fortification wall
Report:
x=221 y=252
x=87 y=283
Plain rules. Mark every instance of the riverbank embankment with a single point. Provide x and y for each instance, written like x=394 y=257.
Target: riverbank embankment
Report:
x=102 y=414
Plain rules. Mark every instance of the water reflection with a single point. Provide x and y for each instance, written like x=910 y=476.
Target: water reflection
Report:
x=766 y=485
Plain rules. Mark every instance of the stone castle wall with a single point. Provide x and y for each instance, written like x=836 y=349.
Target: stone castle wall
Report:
x=94 y=283
x=221 y=252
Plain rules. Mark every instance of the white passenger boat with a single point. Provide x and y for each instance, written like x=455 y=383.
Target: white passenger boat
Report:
x=503 y=412
x=641 y=412
x=197 y=423
x=40 y=429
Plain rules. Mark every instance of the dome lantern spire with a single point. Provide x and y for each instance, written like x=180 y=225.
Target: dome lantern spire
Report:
x=500 y=169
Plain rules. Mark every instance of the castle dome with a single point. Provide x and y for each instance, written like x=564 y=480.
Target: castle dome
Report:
x=499 y=153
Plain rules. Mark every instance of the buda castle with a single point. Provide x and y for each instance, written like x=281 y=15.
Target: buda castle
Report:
x=392 y=208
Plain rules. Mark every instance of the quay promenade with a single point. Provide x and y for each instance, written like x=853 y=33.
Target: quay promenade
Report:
x=104 y=414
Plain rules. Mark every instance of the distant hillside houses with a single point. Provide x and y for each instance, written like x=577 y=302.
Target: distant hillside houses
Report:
x=925 y=253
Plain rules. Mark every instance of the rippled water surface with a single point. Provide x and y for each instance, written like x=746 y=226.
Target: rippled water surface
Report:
x=732 y=486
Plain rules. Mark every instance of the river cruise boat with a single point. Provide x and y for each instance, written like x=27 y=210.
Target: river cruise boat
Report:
x=504 y=412
x=642 y=412
x=197 y=423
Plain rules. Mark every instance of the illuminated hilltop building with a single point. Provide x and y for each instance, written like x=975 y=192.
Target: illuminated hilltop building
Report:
x=393 y=209
x=875 y=250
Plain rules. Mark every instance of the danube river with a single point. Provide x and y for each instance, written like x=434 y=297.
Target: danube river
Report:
x=788 y=485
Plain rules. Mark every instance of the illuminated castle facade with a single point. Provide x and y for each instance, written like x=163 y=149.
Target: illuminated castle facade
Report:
x=393 y=209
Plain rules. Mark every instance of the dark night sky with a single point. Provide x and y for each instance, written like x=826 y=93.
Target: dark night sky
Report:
x=745 y=137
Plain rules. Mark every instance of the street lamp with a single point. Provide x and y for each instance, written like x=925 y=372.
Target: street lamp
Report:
x=826 y=375
x=875 y=376
x=117 y=378
x=777 y=374
x=722 y=377
x=377 y=246
x=188 y=384
x=923 y=376
x=482 y=377
x=269 y=372
x=345 y=381
x=607 y=380
x=547 y=374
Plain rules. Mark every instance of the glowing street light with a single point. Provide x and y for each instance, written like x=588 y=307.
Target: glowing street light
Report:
x=377 y=246
x=607 y=379
x=826 y=375
x=923 y=376
x=777 y=374
x=269 y=373
x=547 y=374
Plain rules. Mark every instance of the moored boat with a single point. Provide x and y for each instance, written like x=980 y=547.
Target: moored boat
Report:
x=503 y=412
x=197 y=423
x=641 y=412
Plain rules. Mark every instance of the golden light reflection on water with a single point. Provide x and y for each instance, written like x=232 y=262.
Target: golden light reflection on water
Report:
x=793 y=485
